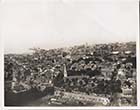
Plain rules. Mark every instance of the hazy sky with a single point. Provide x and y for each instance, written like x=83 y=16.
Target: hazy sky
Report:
x=58 y=23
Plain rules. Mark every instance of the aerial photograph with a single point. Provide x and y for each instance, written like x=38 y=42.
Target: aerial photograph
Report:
x=70 y=53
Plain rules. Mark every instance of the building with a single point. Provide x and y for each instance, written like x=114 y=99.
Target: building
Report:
x=82 y=97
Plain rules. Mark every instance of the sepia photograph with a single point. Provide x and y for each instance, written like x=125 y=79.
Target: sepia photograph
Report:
x=70 y=53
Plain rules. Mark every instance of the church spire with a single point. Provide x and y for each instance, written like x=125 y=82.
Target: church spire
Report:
x=65 y=71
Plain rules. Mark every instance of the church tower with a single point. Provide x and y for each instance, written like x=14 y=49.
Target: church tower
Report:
x=65 y=71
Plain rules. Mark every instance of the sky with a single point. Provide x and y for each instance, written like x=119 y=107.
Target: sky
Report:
x=58 y=23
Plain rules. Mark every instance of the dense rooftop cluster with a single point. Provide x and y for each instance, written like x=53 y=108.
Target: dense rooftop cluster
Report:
x=102 y=69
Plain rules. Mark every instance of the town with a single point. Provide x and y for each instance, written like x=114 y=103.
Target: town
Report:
x=81 y=75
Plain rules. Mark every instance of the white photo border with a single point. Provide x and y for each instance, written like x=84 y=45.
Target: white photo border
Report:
x=64 y=108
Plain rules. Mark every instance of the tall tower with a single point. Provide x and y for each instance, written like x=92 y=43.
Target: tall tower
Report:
x=65 y=71
x=14 y=80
